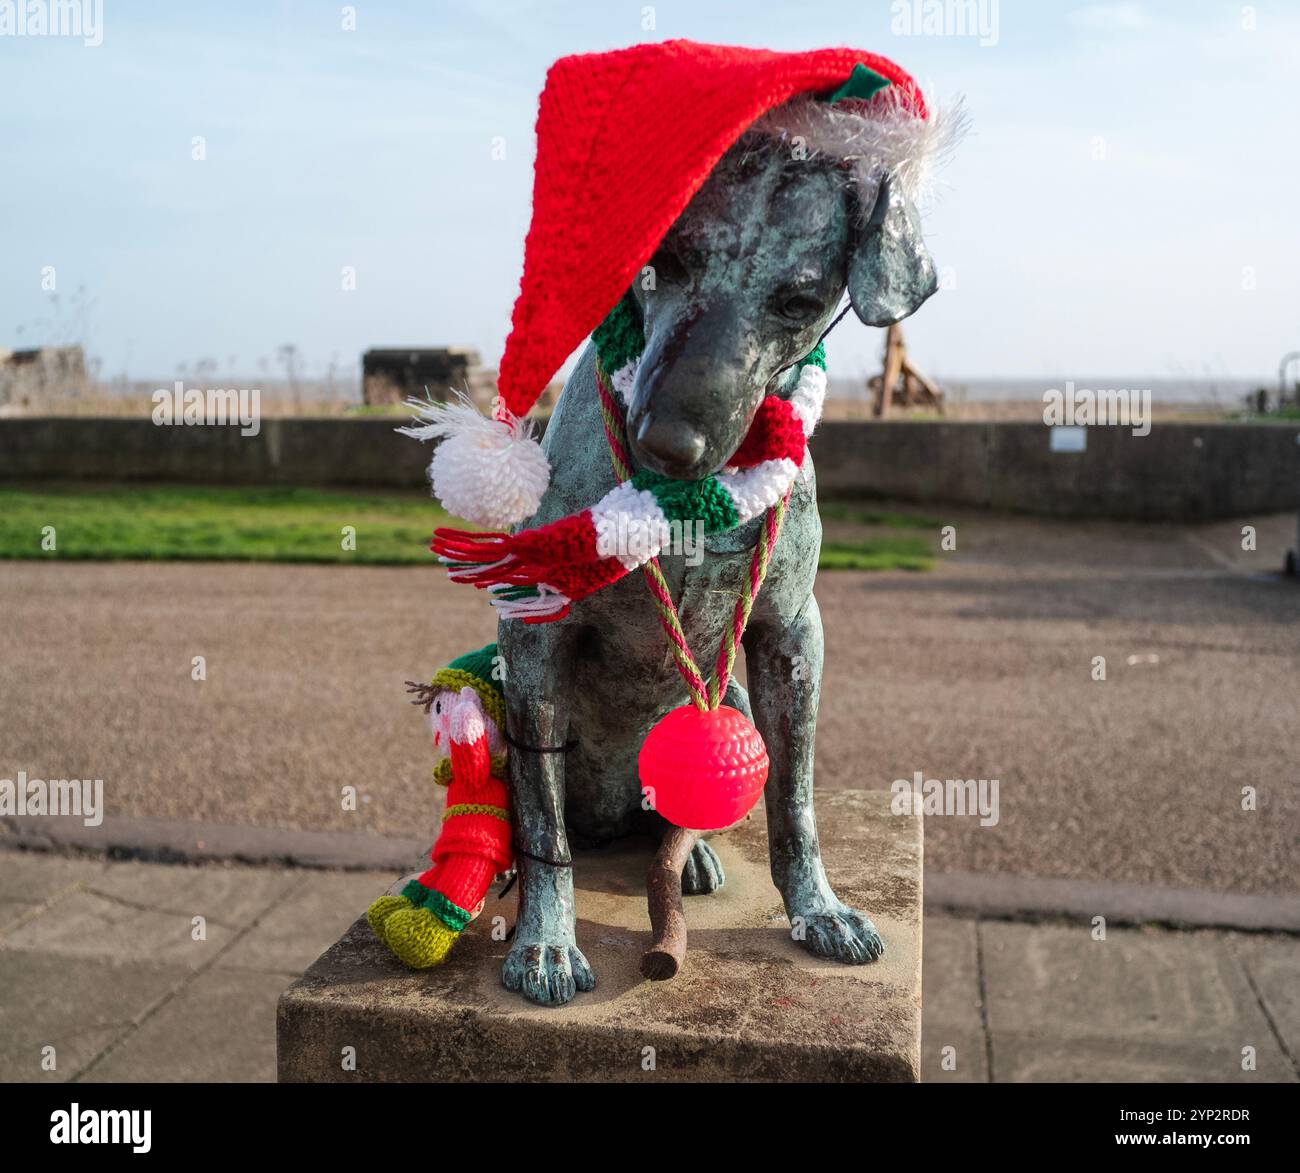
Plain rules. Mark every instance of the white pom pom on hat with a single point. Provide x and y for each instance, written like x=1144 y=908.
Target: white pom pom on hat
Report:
x=492 y=472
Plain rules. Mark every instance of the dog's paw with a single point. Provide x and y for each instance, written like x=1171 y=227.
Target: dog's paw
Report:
x=703 y=872
x=842 y=934
x=547 y=974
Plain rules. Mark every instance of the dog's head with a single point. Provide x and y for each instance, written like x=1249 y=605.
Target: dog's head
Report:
x=750 y=275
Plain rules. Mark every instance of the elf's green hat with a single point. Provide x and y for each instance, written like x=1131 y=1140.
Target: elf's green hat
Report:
x=477 y=670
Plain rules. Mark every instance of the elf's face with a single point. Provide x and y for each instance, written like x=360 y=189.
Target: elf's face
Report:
x=440 y=722
x=461 y=715
x=745 y=282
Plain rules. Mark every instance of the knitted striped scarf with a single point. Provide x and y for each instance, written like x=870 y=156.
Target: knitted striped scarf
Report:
x=538 y=574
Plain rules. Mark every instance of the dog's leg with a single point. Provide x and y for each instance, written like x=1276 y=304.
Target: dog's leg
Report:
x=784 y=657
x=544 y=963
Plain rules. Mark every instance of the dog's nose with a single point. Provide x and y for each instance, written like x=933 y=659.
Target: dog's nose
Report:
x=672 y=444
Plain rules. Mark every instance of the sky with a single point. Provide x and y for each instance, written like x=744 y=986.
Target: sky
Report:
x=1124 y=204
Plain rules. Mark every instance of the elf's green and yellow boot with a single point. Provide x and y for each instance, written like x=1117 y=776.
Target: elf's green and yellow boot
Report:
x=420 y=926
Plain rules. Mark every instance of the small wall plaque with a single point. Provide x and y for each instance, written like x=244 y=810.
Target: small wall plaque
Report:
x=1068 y=438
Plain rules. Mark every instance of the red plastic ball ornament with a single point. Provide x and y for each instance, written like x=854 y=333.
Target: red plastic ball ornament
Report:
x=703 y=770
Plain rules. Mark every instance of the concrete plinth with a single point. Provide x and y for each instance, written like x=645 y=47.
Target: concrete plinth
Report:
x=749 y=1004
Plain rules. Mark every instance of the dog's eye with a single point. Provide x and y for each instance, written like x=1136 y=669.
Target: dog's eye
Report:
x=667 y=266
x=800 y=307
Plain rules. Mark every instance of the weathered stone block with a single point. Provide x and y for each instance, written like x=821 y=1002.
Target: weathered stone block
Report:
x=750 y=1003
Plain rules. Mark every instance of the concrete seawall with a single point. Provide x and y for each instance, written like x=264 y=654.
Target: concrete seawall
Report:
x=1180 y=472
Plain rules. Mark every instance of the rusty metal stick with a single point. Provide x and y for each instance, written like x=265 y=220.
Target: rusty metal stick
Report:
x=663 y=888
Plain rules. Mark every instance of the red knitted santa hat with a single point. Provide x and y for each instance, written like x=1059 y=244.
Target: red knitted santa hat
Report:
x=624 y=140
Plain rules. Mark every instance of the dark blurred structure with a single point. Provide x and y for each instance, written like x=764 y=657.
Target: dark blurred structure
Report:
x=391 y=374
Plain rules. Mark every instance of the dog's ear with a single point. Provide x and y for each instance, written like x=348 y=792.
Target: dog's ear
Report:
x=890 y=270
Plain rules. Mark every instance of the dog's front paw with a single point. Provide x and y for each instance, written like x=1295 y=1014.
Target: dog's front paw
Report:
x=840 y=933
x=547 y=974
x=703 y=872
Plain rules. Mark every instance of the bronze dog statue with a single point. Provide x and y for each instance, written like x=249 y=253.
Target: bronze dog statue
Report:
x=745 y=283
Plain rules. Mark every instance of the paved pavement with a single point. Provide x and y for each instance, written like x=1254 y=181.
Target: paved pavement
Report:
x=104 y=963
x=1047 y=1002
x=981 y=669
x=100 y=961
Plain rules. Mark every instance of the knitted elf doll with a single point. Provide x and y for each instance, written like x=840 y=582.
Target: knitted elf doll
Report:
x=466 y=710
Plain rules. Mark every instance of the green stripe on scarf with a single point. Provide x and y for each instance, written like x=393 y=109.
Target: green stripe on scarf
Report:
x=620 y=337
x=706 y=500
x=816 y=357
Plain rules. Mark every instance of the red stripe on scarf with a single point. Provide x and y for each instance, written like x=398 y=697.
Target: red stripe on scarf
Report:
x=776 y=433
x=569 y=541
x=561 y=555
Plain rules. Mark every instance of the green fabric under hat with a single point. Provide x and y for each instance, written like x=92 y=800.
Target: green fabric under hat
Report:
x=861 y=85
x=477 y=670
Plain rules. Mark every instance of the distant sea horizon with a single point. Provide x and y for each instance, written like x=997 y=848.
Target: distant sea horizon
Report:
x=1225 y=390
